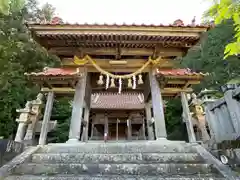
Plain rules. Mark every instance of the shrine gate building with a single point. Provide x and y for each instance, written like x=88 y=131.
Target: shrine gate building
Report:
x=119 y=76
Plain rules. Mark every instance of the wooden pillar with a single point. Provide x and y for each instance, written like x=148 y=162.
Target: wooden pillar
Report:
x=188 y=118
x=105 y=127
x=157 y=104
x=129 y=128
x=77 y=110
x=86 y=120
x=117 y=130
x=148 y=119
x=88 y=94
x=46 y=118
x=92 y=131
x=143 y=128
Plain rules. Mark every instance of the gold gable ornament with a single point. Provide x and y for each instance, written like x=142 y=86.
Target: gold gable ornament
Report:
x=79 y=61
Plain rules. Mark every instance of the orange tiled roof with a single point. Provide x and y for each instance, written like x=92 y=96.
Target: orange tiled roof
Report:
x=117 y=101
x=68 y=72
x=54 y=72
x=178 y=72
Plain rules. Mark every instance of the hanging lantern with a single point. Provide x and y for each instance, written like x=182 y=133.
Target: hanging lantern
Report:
x=107 y=82
x=100 y=80
x=129 y=83
x=140 y=81
x=134 y=82
x=120 y=86
x=112 y=85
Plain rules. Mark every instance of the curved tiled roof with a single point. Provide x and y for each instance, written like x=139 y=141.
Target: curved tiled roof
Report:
x=55 y=72
x=119 y=25
x=68 y=72
x=179 y=72
x=108 y=35
x=117 y=101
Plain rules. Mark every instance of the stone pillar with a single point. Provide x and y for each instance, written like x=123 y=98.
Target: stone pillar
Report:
x=20 y=131
x=199 y=115
x=23 y=120
x=46 y=118
x=77 y=110
x=149 y=119
x=157 y=104
x=34 y=118
x=188 y=118
x=86 y=120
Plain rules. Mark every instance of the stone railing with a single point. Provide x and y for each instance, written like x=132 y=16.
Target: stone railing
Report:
x=8 y=150
x=223 y=116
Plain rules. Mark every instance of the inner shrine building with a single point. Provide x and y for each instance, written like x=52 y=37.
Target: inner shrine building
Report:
x=119 y=76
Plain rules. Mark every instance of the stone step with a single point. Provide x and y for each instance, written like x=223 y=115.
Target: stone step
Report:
x=128 y=169
x=117 y=158
x=119 y=148
x=116 y=177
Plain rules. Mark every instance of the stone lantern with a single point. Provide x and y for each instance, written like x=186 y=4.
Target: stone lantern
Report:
x=207 y=96
x=34 y=119
x=23 y=120
x=231 y=85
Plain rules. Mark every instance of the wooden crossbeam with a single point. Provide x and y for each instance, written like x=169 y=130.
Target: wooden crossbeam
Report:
x=175 y=90
x=180 y=32
x=126 y=63
x=110 y=28
x=182 y=82
x=71 y=90
x=67 y=51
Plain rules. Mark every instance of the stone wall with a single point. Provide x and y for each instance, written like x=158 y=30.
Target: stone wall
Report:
x=8 y=150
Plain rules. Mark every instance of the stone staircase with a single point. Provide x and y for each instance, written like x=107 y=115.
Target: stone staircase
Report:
x=146 y=160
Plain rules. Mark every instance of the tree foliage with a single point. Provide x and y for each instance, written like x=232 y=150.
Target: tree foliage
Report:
x=225 y=10
x=18 y=54
x=11 y=6
x=62 y=113
x=209 y=55
x=206 y=57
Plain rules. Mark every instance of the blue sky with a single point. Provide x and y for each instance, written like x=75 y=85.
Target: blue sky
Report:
x=129 y=11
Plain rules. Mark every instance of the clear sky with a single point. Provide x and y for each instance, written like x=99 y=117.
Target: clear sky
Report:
x=129 y=11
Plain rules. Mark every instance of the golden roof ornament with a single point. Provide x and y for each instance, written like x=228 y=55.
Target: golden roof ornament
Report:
x=178 y=22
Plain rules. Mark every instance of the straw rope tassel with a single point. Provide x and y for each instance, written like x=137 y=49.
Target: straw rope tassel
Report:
x=112 y=85
x=100 y=81
x=129 y=83
x=140 y=80
x=120 y=86
x=107 y=82
x=134 y=82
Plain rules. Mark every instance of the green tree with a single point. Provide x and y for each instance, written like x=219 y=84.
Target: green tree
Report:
x=62 y=113
x=208 y=57
x=18 y=54
x=225 y=10
x=8 y=6
x=176 y=129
